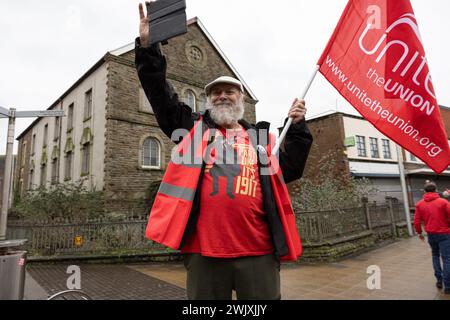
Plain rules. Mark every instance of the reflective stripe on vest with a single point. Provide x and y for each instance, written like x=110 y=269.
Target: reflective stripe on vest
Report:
x=173 y=203
x=176 y=192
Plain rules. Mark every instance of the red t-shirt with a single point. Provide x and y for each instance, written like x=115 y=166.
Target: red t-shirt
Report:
x=232 y=222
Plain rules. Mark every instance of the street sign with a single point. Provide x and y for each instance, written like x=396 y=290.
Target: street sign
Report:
x=350 y=142
x=78 y=241
x=4 y=112
x=48 y=113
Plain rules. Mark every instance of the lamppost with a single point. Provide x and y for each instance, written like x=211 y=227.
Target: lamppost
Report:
x=12 y=114
x=401 y=169
x=12 y=263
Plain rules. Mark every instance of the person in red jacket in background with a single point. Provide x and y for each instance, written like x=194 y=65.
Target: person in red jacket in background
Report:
x=434 y=212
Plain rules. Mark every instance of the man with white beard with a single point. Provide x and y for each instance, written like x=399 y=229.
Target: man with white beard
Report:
x=229 y=213
x=225 y=112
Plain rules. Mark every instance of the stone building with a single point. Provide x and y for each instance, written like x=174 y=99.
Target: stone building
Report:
x=357 y=148
x=110 y=136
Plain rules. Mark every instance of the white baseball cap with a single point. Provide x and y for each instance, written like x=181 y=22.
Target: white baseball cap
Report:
x=224 y=79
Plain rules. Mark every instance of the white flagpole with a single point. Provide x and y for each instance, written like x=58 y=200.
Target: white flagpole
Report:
x=289 y=123
x=405 y=193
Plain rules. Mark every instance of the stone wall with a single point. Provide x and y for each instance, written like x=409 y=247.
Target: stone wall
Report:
x=126 y=129
x=335 y=249
x=445 y=113
x=328 y=134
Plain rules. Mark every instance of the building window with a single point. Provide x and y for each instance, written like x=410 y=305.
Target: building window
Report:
x=30 y=182
x=55 y=171
x=361 y=146
x=374 y=148
x=190 y=99
x=413 y=157
x=23 y=154
x=85 y=159
x=151 y=154
x=68 y=167
x=143 y=102
x=45 y=135
x=386 y=149
x=33 y=144
x=88 y=104
x=195 y=55
x=56 y=133
x=43 y=175
x=70 y=117
x=202 y=103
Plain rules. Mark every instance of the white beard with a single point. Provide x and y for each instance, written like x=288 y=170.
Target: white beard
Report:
x=225 y=114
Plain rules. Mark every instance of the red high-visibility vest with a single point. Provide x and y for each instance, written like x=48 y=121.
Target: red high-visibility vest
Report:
x=173 y=204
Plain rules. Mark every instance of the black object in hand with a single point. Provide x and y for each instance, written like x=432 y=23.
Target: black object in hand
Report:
x=167 y=19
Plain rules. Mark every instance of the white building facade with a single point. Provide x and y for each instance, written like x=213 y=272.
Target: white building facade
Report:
x=72 y=148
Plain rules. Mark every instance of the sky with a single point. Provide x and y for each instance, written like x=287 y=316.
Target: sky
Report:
x=46 y=46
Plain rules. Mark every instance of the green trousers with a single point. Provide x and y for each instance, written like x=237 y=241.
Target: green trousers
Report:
x=253 y=278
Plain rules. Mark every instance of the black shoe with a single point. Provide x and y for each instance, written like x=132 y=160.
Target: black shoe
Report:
x=439 y=284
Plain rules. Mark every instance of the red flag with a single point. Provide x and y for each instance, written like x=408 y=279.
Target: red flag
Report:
x=376 y=60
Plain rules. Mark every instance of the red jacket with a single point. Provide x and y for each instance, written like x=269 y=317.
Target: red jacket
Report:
x=434 y=212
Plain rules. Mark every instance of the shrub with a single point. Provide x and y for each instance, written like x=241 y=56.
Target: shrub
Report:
x=71 y=200
x=330 y=191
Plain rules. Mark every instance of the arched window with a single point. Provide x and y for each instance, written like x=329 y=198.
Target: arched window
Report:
x=202 y=103
x=151 y=154
x=190 y=99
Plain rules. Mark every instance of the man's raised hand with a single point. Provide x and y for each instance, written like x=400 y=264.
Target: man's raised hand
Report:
x=144 y=28
x=298 y=111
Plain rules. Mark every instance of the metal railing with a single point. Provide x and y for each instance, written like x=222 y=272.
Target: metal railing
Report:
x=66 y=238
x=324 y=225
x=48 y=238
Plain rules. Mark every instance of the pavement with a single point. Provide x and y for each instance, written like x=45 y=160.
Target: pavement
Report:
x=404 y=268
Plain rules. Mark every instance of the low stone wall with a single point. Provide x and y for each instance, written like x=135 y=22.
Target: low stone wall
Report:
x=383 y=232
x=332 y=250
x=402 y=229
x=125 y=256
